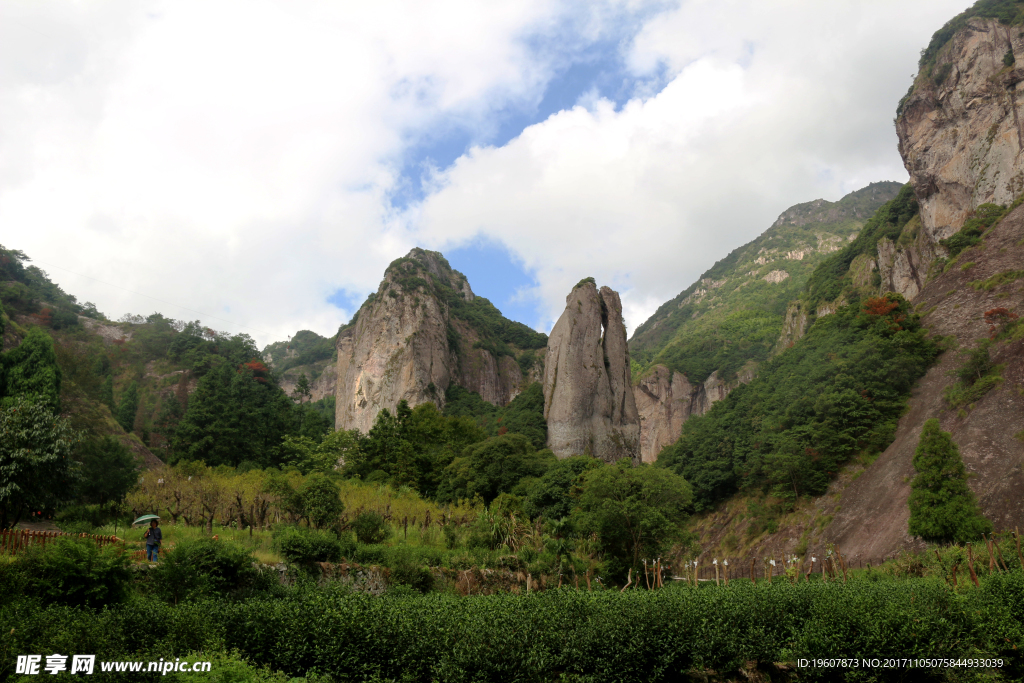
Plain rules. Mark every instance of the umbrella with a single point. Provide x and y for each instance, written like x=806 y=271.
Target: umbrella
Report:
x=145 y=518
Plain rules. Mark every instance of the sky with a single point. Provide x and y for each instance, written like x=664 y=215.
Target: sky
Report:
x=258 y=164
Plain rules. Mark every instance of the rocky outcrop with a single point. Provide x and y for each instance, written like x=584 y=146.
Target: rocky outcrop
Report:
x=323 y=378
x=959 y=129
x=588 y=400
x=793 y=326
x=665 y=400
x=407 y=344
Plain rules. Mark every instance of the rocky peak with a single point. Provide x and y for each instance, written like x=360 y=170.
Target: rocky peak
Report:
x=588 y=401
x=856 y=205
x=422 y=330
x=960 y=128
x=421 y=268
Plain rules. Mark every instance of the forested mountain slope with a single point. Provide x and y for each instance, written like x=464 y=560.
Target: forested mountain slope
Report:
x=952 y=242
x=711 y=337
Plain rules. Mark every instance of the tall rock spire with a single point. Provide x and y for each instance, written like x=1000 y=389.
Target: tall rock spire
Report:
x=588 y=399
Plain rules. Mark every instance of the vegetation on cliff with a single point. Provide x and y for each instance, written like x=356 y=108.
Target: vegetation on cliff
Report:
x=735 y=312
x=942 y=507
x=428 y=272
x=837 y=392
x=832 y=278
x=305 y=348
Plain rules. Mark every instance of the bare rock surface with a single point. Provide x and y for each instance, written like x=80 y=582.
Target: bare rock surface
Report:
x=665 y=400
x=588 y=399
x=960 y=135
x=407 y=345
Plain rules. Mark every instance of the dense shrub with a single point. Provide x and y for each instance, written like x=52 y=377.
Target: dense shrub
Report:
x=638 y=635
x=203 y=567
x=74 y=571
x=303 y=546
x=371 y=527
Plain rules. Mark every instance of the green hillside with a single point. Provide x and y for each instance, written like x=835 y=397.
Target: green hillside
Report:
x=735 y=312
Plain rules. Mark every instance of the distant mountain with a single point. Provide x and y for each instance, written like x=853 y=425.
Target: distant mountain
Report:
x=707 y=340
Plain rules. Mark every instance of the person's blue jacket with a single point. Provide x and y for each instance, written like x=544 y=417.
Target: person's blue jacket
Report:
x=154 y=535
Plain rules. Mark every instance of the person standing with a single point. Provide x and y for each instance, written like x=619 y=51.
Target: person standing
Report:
x=154 y=536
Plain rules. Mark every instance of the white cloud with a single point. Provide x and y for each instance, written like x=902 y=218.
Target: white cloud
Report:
x=767 y=105
x=238 y=157
x=235 y=157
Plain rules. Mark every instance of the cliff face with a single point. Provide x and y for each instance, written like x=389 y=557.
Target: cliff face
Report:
x=665 y=400
x=409 y=343
x=588 y=401
x=960 y=136
x=873 y=515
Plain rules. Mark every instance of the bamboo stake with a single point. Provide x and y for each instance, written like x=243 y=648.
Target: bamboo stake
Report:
x=716 y=572
x=955 y=567
x=629 y=578
x=970 y=565
x=1000 y=553
x=992 y=568
x=1016 y=537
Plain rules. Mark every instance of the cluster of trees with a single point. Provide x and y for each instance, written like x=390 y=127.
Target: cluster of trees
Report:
x=45 y=462
x=837 y=392
x=23 y=288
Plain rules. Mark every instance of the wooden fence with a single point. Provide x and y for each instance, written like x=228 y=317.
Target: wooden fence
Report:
x=16 y=540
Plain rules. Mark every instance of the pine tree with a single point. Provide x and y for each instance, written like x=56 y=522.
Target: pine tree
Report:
x=302 y=388
x=128 y=407
x=943 y=508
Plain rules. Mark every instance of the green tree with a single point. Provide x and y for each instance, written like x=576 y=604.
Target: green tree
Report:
x=554 y=495
x=235 y=414
x=302 y=390
x=943 y=508
x=371 y=527
x=36 y=470
x=494 y=466
x=320 y=501
x=31 y=370
x=637 y=512
x=109 y=470
x=128 y=407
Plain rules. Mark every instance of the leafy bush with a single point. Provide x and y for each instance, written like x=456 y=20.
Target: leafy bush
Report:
x=371 y=527
x=634 y=636
x=319 y=501
x=76 y=572
x=491 y=467
x=303 y=546
x=203 y=567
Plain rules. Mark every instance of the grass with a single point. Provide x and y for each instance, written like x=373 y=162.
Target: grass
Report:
x=260 y=542
x=1003 y=278
x=961 y=394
